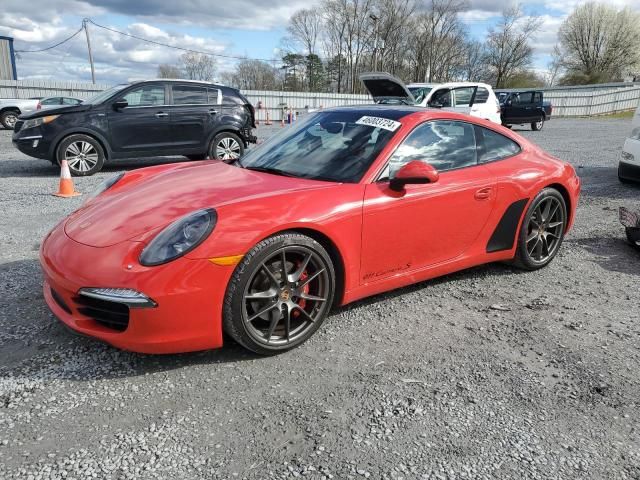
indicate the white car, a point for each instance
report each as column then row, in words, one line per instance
column 629, row 166
column 473, row 98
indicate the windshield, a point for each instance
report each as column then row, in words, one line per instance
column 105, row 94
column 332, row 146
column 420, row 93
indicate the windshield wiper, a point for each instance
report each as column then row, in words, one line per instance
column 274, row 171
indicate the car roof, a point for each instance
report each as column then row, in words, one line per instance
column 179, row 80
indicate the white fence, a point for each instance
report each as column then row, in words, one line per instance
column 567, row 101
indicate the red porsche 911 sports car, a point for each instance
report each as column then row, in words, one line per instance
column 347, row 203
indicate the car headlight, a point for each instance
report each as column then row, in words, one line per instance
column 106, row 185
column 180, row 237
column 36, row 122
column 635, row 133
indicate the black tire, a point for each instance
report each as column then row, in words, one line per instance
column 246, row 304
column 554, row 225
column 8, row 118
column 223, row 140
column 201, row 156
column 72, row 147
column 633, row 236
column 537, row 126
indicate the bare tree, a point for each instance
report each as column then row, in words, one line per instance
column 508, row 44
column 198, row 66
column 252, row 75
column 474, row 67
column 168, row 71
column 600, row 43
column 305, row 26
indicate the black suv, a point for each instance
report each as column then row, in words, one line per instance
column 141, row 119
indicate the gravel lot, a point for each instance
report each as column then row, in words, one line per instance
column 488, row 373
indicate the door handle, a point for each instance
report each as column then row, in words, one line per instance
column 213, row 112
column 161, row 114
column 483, row 193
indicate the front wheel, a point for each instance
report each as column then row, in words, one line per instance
column 9, row 118
column 542, row 230
column 279, row 294
column 83, row 153
column 226, row 146
column 537, row 125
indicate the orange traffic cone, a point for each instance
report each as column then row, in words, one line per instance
column 66, row 184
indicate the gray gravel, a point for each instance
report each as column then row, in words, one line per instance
column 488, row 373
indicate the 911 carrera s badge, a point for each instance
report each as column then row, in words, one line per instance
column 379, row 122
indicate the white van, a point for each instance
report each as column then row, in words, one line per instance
column 629, row 165
column 472, row 98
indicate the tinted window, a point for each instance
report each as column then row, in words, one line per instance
column 51, row 101
column 537, row 98
column 70, row 101
column 494, row 145
column 443, row 144
column 442, row 97
column 214, row 96
column 231, row 97
column 482, row 95
column 188, row 95
column 463, row 96
column 146, row 95
column 335, row 146
column 523, row 98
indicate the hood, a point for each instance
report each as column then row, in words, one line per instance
column 56, row 111
column 384, row 88
column 135, row 206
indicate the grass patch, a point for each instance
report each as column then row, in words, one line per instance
column 622, row 115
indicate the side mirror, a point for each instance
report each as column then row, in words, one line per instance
column 414, row 172
column 508, row 103
column 120, row 104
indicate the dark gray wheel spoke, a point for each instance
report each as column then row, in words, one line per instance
column 283, row 261
column 262, row 312
column 267, row 294
column 295, row 276
column 315, row 298
column 272, row 277
column 547, row 209
column 275, row 319
column 305, row 314
column 554, row 224
column 311, row 278
column 532, row 236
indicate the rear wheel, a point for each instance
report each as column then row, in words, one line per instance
column 227, row 147
column 9, row 118
column 542, row 230
column 279, row 294
column 537, row 125
column 83, row 153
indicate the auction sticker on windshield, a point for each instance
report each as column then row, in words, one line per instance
column 379, row 122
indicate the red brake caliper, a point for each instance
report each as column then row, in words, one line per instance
column 302, row 302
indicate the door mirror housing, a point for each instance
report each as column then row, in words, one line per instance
column 120, row 104
column 414, row 172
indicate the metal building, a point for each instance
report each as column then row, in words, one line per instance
column 7, row 59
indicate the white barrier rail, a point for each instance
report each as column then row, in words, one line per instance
column 567, row 101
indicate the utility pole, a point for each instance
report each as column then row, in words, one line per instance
column 85, row 25
column 375, row 41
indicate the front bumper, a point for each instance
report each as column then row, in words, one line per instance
column 629, row 166
column 189, row 295
column 32, row 142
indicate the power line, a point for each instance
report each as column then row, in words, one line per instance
column 203, row 52
column 52, row 46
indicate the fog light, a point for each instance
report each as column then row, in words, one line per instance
column 35, row 143
column 127, row 296
column 627, row 156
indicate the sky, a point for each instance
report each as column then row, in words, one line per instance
column 251, row 28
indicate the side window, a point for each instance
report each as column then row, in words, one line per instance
column 146, row 95
column 215, row 96
column 189, row 95
column 524, row 98
column 51, row 101
column 70, row 101
column 482, row 95
column 232, row 98
column 463, row 96
column 537, row 98
column 442, row 97
column 445, row 145
column 494, row 145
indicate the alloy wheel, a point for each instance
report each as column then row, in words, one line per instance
column 545, row 230
column 285, row 296
column 81, row 155
column 539, row 125
column 10, row 120
column 228, row 149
